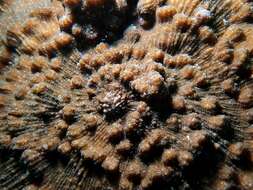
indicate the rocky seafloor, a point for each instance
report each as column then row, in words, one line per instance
column 126, row 94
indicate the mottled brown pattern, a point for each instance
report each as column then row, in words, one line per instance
column 126, row 95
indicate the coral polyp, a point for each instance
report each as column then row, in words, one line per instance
column 126, row 95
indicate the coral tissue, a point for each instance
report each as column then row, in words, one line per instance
column 126, row 95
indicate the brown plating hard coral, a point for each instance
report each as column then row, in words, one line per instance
column 121, row 94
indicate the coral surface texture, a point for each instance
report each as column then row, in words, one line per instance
column 126, row 94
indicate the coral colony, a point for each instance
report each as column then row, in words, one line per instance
column 126, row 95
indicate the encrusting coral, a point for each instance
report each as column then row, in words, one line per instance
column 121, row 94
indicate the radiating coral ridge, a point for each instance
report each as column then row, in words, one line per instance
column 126, row 95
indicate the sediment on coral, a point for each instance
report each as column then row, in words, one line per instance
column 126, row 95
